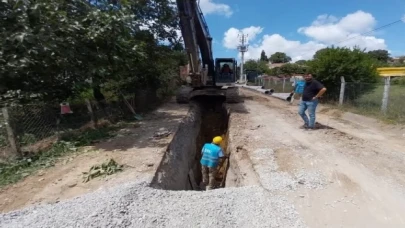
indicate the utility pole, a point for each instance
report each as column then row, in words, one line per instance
column 242, row 48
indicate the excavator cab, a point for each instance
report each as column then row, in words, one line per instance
column 225, row 71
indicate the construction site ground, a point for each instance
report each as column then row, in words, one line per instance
column 135, row 147
column 348, row 173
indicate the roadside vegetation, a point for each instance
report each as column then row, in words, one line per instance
column 364, row 88
column 54, row 51
column 14, row 170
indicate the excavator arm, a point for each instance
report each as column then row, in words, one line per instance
column 197, row 40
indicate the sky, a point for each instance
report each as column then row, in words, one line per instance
column 300, row 28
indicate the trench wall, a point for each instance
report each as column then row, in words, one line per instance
column 179, row 157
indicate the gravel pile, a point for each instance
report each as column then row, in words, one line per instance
column 311, row 179
column 137, row 205
column 273, row 179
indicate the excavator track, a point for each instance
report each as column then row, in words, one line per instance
column 233, row 96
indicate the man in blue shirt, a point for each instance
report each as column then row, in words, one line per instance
column 211, row 153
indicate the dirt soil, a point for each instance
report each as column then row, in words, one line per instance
column 348, row 173
column 135, row 147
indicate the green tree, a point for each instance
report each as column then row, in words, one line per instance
column 301, row 62
column 251, row 65
column 275, row 71
column 263, row 57
column 329, row 64
column 380, row 55
column 257, row 65
column 50, row 48
column 279, row 57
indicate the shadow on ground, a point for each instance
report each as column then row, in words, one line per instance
column 322, row 126
column 154, row 131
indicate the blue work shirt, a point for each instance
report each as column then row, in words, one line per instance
column 299, row 86
column 210, row 155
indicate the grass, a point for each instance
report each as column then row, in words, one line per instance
column 370, row 104
column 14, row 171
column 107, row 168
column 90, row 136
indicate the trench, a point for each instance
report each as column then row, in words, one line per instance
column 180, row 167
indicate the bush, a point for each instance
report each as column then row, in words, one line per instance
column 354, row 65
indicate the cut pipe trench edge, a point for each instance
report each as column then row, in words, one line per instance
column 180, row 167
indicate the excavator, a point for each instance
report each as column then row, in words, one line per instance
column 206, row 76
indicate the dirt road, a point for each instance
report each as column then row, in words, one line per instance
column 351, row 173
column 134, row 146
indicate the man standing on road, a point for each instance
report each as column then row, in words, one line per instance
column 211, row 153
column 312, row 91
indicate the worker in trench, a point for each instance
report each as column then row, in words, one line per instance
column 211, row 155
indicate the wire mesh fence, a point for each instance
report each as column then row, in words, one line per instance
column 368, row 98
column 34, row 125
column 361, row 97
column 279, row 85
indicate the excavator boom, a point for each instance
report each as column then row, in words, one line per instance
column 197, row 39
column 207, row 76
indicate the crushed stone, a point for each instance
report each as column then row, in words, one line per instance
column 273, row 179
column 137, row 205
column 311, row 179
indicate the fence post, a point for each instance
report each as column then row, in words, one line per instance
column 283, row 83
column 342, row 90
column 387, row 84
column 12, row 139
column 92, row 115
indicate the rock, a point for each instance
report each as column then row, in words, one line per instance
column 162, row 133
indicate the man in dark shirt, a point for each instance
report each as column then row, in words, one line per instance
column 312, row 91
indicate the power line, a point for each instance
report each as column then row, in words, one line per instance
column 376, row 29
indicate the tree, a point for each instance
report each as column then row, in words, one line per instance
column 257, row 65
column 380, row 55
column 290, row 69
column 51, row 47
column 329, row 64
column 263, row 57
column 301, row 62
column 280, row 57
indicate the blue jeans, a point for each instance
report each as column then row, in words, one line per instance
column 311, row 106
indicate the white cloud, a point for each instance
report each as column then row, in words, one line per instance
column 325, row 30
column 210, row 7
column 344, row 30
column 231, row 37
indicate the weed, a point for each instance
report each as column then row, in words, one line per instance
column 90, row 136
column 107, row 168
column 370, row 103
column 13, row 171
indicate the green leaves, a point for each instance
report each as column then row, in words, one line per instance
column 279, row 57
column 48, row 47
column 355, row 65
